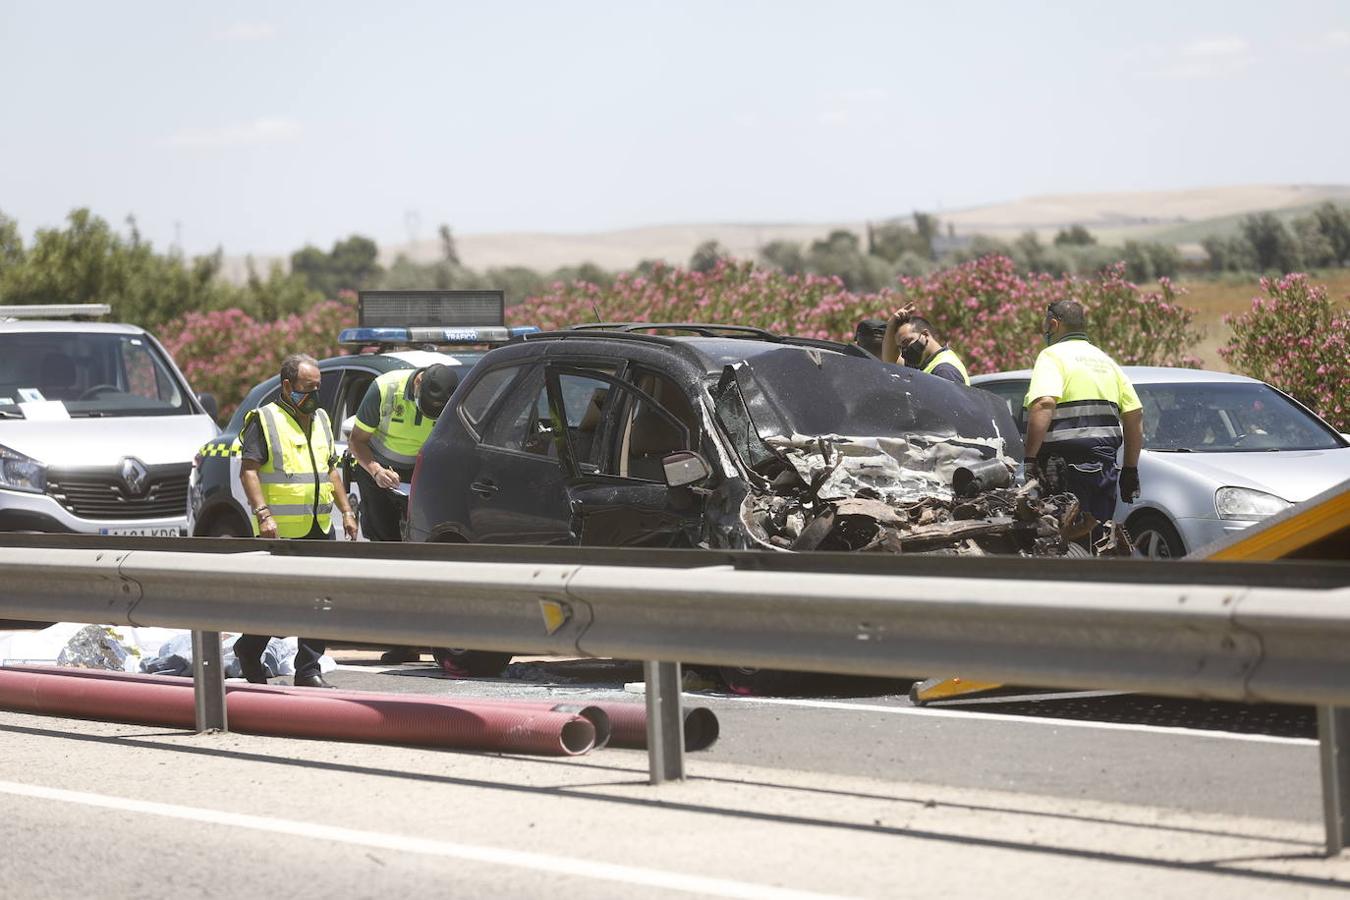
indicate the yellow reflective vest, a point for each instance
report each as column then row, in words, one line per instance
column 295, row 482
column 947, row 356
column 1090, row 393
column 403, row 429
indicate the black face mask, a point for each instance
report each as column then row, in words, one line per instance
column 305, row 402
column 912, row 353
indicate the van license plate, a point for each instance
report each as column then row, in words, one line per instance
column 144, row 532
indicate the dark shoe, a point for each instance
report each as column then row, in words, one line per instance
column 311, row 681
column 396, row 655
column 253, row 670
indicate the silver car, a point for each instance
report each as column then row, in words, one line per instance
column 1221, row 451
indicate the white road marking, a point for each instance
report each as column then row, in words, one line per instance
column 1004, row 717
column 554, row 865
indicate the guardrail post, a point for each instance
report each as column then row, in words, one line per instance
column 208, row 681
column 1333, row 735
column 665, row 721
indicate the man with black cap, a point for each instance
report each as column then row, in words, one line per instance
column 394, row 420
column 869, row 335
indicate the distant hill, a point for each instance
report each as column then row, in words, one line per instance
column 1182, row 217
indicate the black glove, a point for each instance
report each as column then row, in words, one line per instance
column 1129, row 484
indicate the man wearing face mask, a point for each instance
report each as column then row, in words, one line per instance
column 913, row 339
column 1082, row 410
column 288, row 470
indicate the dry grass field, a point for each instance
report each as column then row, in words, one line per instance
column 1213, row 298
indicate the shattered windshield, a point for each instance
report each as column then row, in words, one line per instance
column 789, row 391
column 65, row 374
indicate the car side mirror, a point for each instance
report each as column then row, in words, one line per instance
column 345, row 429
column 209, row 404
column 685, row 468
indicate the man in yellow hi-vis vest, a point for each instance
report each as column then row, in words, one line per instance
column 913, row 339
column 394, row 419
column 1081, row 411
column 288, row 470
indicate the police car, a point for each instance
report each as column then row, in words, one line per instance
column 435, row 327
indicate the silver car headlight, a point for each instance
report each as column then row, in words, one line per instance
column 21, row 473
column 1245, row 503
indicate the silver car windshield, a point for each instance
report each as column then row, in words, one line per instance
column 83, row 374
column 1216, row 417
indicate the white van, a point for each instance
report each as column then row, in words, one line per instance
column 97, row 426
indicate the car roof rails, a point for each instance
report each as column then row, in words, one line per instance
column 81, row 311
column 709, row 329
column 702, row 329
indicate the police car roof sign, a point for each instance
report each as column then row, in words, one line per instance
column 422, row 308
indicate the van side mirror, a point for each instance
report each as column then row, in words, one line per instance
column 685, row 468
column 209, row 404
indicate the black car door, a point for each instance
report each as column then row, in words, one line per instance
column 614, row 437
column 516, row 491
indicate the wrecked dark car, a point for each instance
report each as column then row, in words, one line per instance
column 751, row 441
column 626, row 438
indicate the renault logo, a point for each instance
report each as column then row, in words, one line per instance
column 134, row 474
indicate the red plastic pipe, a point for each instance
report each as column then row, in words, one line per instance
column 592, row 713
column 376, row 718
column 628, row 726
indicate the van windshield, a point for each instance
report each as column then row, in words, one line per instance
column 61, row 374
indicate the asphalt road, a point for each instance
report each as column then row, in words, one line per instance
column 856, row 793
column 1187, row 755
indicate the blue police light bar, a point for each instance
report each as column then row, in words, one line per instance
column 486, row 334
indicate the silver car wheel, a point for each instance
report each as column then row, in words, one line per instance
column 1155, row 537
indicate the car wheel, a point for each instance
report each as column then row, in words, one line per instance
column 228, row 526
column 762, row 682
column 1155, row 537
column 471, row 663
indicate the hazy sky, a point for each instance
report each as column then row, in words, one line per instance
column 262, row 126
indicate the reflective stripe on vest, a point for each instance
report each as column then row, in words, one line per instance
column 403, row 429
column 946, row 356
column 295, row 482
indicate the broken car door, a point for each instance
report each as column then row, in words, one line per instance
column 616, row 439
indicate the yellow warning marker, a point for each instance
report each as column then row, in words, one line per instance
column 1321, row 522
column 922, row 692
column 556, row 613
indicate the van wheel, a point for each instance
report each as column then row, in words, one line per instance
column 471, row 663
column 752, row 682
column 1155, row 537
column 227, row 526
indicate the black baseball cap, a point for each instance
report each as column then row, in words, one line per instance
column 438, row 383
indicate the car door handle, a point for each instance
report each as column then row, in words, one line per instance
column 485, row 488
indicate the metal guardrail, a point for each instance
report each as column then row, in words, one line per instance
column 1225, row 632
